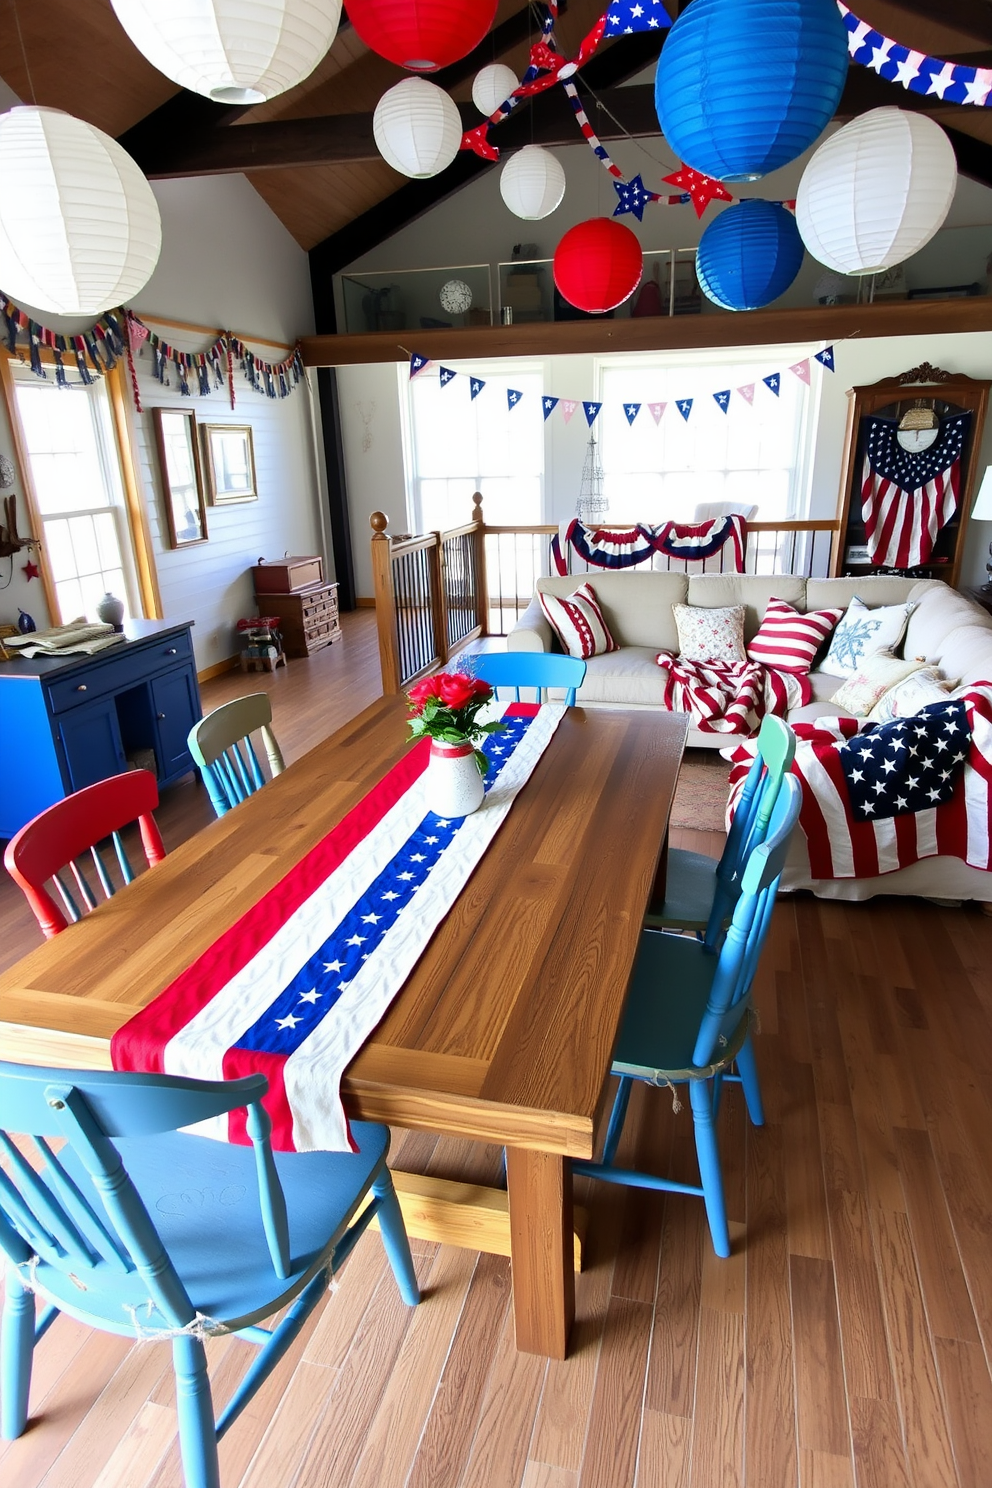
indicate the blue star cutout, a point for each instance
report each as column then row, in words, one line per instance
column 632, row 196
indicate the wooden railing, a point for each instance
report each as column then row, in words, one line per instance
column 436, row 592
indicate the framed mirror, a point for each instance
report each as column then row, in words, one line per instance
column 230, row 457
column 182, row 484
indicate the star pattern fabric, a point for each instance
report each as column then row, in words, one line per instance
column 633, row 196
column 906, row 766
column 919, row 73
column 319, row 984
column 700, row 189
column 627, row 16
column 911, row 469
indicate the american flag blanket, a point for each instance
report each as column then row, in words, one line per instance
column 296, row 986
column 632, row 547
column 846, row 766
column 908, row 496
column 729, row 698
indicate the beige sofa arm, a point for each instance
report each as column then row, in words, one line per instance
column 531, row 632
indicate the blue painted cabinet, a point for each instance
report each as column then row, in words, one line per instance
column 66, row 722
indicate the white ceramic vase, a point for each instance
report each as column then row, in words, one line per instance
column 454, row 785
column 110, row 610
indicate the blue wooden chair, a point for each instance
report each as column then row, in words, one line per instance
column 688, row 1018
column 152, row 1233
column 700, row 891
column 538, row 669
column 221, row 745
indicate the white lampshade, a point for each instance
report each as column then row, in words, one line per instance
column 417, row 128
column 532, row 182
column 493, row 86
column 80, row 230
column 876, row 191
column 233, row 51
column 982, row 510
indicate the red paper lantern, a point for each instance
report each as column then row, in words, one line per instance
column 598, row 265
column 422, row 35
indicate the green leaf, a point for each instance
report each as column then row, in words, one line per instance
column 482, row 761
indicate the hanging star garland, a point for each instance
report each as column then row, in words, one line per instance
column 633, row 196
column 701, row 189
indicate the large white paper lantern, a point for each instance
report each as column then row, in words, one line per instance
column 876, row 191
column 417, row 128
column 80, row 230
column 493, row 86
column 532, row 182
column 233, row 51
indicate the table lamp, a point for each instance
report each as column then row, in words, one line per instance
column 982, row 512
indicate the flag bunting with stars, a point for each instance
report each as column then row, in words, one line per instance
column 951, row 82
column 446, row 375
column 591, row 411
column 684, row 406
column 549, row 405
column 631, row 410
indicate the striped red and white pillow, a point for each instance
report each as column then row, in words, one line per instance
column 788, row 640
column 578, row 622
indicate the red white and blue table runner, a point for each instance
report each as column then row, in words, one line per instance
column 295, row 987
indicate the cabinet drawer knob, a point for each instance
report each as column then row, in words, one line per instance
column 171, row 651
column 159, row 715
column 81, row 687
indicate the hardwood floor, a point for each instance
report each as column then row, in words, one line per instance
column 845, row 1344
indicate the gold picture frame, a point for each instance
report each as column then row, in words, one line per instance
column 230, row 462
column 182, row 479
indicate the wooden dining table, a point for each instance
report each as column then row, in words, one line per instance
column 504, row 1031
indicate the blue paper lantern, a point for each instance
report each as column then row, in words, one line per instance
column 749, row 255
column 744, row 86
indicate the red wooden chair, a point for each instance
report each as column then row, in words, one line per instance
column 52, row 842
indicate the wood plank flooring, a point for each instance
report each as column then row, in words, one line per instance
column 845, row 1344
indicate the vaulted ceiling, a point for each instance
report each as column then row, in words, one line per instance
column 309, row 153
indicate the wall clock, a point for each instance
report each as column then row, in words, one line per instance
column 907, row 482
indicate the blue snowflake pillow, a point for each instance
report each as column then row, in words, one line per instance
column 862, row 633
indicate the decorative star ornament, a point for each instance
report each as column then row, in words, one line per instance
column 700, row 189
column 633, row 196
column 30, row 570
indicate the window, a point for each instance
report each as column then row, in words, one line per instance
column 459, row 445
column 753, row 455
column 69, row 438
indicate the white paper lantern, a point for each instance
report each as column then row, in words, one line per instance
column 417, row 128
column 532, row 182
column 80, row 230
column 233, row 51
column 876, row 191
column 493, row 86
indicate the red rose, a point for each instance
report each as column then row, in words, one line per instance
column 456, row 690
column 421, row 692
column 482, row 689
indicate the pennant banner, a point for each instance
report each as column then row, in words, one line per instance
column 446, row 375
column 591, row 411
column 549, row 405
column 951, row 82
column 630, row 547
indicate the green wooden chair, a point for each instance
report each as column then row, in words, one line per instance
column 221, row 745
column 700, row 891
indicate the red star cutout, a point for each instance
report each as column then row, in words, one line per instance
column 30, row 570
column 701, row 189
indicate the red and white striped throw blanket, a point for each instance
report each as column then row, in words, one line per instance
column 729, row 697
column 841, row 846
column 296, row 986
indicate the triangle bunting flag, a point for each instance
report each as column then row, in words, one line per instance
column 826, row 358
column 722, row 399
column 446, row 375
column 801, row 369
column 475, row 386
column 656, row 410
column 684, row 406
column 417, row 364
column 591, row 410
column 512, row 398
column 631, row 410
column 773, row 382
column 747, row 392
column 568, row 407
column 549, row 405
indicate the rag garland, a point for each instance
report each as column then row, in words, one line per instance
column 729, row 697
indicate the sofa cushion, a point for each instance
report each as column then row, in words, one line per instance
column 577, row 621
column 717, row 591
column 871, row 589
column 823, row 685
column 637, row 607
column 707, row 634
column 967, row 653
column 630, row 675
column 864, row 632
column 812, row 712
column 939, row 612
column 789, row 640
column 874, row 676
column 907, row 697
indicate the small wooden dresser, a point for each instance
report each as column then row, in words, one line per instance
column 294, row 589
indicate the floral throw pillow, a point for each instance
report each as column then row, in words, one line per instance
column 578, row 622
column 907, row 697
column 710, row 635
column 873, row 678
column 863, row 633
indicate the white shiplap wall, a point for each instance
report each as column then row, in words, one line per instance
column 210, row 583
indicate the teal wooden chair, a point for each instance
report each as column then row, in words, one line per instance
column 700, row 891
column 687, row 1022
column 151, row 1233
column 221, row 745
column 537, row 669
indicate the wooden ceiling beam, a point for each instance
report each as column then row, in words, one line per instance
column 970, row 17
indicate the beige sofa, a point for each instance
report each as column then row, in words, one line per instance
column 945, row 628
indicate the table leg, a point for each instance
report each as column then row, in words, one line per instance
column 539, row 1185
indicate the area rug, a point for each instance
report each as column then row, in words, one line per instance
column 701, row 795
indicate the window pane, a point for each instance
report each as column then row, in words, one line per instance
column 63, row 448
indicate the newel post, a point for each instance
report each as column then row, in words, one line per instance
column 385, row 602
column 481, row 576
